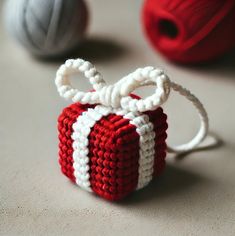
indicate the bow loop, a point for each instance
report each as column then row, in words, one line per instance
column 116, row 95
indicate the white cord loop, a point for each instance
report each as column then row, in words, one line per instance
column 117, row 95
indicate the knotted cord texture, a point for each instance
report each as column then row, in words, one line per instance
column 114, row 150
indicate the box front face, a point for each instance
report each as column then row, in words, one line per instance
column 114, row 155
column 114, row 150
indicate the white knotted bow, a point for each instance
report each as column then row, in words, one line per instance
column 117, row 95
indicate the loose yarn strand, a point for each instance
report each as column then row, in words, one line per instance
column 117, row 95
column 204, row 121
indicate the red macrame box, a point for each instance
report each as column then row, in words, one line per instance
column 113, row 150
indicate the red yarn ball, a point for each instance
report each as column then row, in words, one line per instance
column 191, row 31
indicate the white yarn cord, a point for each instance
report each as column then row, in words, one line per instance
column 117, row 95
column 204, row 122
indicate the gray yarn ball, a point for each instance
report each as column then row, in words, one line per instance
column 47, row 28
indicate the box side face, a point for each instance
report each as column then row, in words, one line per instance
column 159, row 120
column 65, row 129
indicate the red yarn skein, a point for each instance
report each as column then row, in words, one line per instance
column 192, row 31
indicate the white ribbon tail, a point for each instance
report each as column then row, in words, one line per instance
column 201, row 140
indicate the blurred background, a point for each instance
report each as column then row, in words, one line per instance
column 194, row 196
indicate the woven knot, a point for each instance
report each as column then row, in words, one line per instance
column 110, row 95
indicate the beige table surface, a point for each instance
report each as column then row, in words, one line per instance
column 195, row 195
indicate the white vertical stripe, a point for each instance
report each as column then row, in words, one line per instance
column 82, row 128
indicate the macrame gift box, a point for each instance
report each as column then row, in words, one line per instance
column 114, row 150
column 112, row 142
